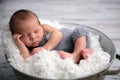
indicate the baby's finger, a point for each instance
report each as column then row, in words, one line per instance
column 15, row 36
column 33, row 52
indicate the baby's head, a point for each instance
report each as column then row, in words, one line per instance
column 26, row 23
column 19, row 18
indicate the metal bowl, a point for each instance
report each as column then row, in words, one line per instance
column 106, row 44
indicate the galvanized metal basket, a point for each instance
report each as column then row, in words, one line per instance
column 107, row 46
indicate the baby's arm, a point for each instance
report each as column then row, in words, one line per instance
column 21, row 46
column 55, row 36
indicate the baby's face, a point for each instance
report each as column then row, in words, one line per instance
column 32, row 33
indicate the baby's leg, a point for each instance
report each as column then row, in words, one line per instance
column 81, row 32
column 79, row 45
column 81, row 42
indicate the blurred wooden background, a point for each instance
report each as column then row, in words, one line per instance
column 103, row 15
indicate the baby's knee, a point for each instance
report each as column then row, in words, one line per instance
column 79, row 32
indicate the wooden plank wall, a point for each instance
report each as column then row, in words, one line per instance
column 103, row 15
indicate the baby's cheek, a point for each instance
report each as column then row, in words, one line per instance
column 27, row 42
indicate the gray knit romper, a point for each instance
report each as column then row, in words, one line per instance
column 69, row 38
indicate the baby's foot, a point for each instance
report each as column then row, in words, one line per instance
column 64, row 55
column 85, row 53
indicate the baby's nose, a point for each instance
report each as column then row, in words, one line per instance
column 32, row 36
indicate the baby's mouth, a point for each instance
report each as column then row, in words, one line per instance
column 35, row 43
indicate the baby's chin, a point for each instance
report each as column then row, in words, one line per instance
column 35, row 45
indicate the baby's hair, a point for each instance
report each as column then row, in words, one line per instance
column 18, row 16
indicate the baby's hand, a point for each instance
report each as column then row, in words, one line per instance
column 18, row 42
column 36, row 50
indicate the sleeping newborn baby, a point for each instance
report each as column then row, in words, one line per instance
column 30, row 37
